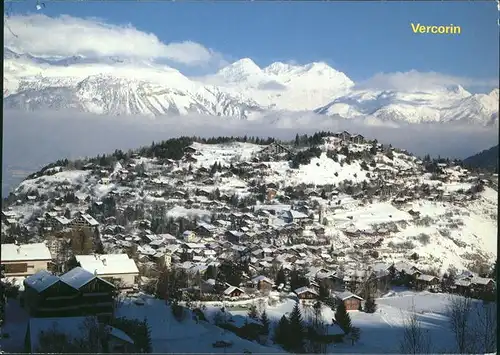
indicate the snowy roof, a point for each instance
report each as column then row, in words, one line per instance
column 35, row 251
column 346, row 295
column 231, row 289
column 424, row 277
column 481, row 280
column 296, row 214
column 63, row 220
column 262, row 278
column 304, row 290
column 41, row 280
column 108, row 264
column 207, row 226
column 77, row 277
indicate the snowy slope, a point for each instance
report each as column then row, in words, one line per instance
column 448, row 232
column 445, row 105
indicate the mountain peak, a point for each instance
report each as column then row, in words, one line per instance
column 277, row 68
column 319, row 66
column 240, row 70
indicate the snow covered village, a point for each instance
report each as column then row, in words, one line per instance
column 329, row 243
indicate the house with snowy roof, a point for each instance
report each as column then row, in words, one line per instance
column 233, row 291
column 306, row 293
column 75, row 293
column 84, row 220
column 351, row 301
column 424, row 282
column 262, row 283
column 205, row 229
column 25, row 259
column 116, row 268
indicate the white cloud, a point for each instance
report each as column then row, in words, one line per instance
column 40, row 35
column 414, row 81
column 34, row 139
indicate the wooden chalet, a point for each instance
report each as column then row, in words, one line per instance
column 306, row 293
column 262, row 283
column 351, row 301
column 275, row 149
column 233, row 291
column 426, row 282
column 76, row 293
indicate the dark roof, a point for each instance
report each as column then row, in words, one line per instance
column 77, row 277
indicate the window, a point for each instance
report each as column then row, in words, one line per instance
column 16, row 268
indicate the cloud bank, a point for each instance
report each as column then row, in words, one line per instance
column 32, row 140
column 414, row 80
column 66, row 36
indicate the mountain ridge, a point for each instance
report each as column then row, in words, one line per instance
column 238, row 90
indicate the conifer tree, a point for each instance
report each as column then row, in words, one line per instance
column 342, row 317
column 265, row 323
column 370, row 305
column 296, row 330
column 281, row 331
column 252, row 312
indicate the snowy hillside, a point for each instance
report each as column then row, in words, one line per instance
column 119, row 86
column 366, row 196
column 449, row 104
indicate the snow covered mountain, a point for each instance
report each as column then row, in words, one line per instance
column 284, row 86
column 444, row 105
column 119, row 86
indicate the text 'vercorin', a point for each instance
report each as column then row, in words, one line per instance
column 441, row 30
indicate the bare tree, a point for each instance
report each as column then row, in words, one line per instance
column 460, row 314
column 485, row 327
column 91, row 339
column 416, row 339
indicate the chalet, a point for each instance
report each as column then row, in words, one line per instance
column 292, row 216
column 190, row 150
column 343, row 135
column 75, row 293
column 357, row 138
column 84, row 220
column 205, row 229
column 306, row 293
column 25, row 259
column 190, row 159
column 233, row 291
column 425, row 282
column 262, row 283
column 472, row 283
column 275, row 149
column 351, row 301
column 115, row 268
column 234, row 236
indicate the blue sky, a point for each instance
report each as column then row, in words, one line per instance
column 358, row 38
